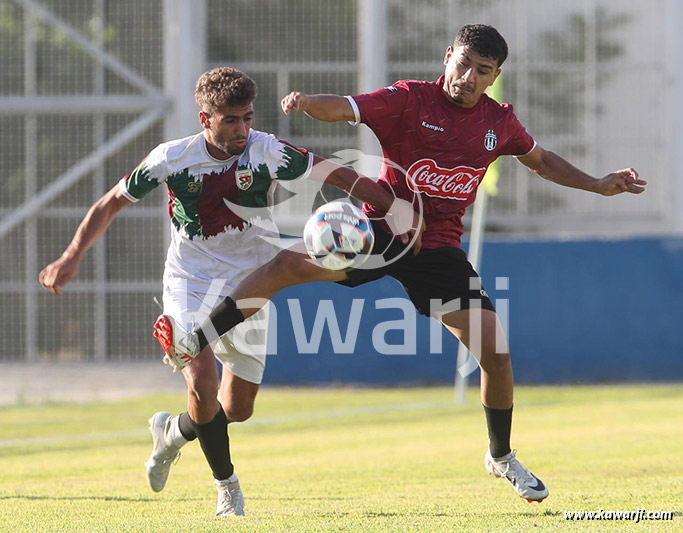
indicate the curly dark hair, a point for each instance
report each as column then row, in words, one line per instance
column 224, row 86
column 483, row 40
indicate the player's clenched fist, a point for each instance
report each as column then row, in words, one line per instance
column 294, row 101
column 58, row 273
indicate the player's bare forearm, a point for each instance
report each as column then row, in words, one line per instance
column 96, row 222
column 361, row 188
column 552, row 167
column 556, row 169
column 55, row 275
column 325, row 107
column 401, row 216
column 349, row 181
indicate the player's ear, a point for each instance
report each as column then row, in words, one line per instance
column 447, row 57
column 204, row 119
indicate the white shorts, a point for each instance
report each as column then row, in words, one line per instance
column 243, row 350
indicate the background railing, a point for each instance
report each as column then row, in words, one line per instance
column 88, row 87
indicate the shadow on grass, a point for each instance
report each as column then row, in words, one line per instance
column 299, row 498
column 84, row 498
column 406, row 514
column 532, row 514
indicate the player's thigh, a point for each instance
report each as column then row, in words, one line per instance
column 478, row 329
column 294, row 265
column 440, row 280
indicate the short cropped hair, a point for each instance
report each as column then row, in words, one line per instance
column 483, row 40
column 224, row 86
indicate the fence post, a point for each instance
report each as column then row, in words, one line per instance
column 372, row 67
column 677, row 142
column 185, row 25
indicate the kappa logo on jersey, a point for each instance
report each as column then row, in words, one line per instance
column 490, row 140
column 426, row 176
column 244, row 178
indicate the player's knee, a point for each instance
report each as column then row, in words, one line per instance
column 239, row 413
column 493, row 362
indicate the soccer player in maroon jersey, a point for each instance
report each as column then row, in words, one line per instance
column 440, row 137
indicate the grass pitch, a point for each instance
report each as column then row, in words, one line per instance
column 352, row 460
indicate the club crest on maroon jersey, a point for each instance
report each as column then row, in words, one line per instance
column 244, row 178
column 490, row 140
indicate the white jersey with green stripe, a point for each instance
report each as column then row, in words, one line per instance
column 210, row 238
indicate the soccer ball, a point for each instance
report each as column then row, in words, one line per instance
column 338, row 235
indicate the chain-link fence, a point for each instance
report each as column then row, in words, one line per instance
column 82, row 101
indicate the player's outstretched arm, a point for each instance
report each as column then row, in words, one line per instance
column 401, row 216
column 552, row 167
column 325, row 107
column 58, row 273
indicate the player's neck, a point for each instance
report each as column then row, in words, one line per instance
column 216, row 152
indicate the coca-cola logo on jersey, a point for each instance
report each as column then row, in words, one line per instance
column 426, row 176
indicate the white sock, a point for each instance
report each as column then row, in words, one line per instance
column 173, row 435
column 223, row 482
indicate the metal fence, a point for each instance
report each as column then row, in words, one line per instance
column 88, row 87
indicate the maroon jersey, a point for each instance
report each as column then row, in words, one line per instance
column 437, row 150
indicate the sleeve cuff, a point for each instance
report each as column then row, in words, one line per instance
column 125, row 193
column 532, row 149
column 309, row 167
column 356, row 111
column 306, row 173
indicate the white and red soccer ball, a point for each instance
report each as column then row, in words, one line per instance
column 338, row 235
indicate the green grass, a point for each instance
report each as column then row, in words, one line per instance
column 351, row 460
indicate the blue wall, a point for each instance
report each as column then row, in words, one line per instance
column 580, row 311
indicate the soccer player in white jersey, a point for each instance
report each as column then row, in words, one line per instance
column 213, row 179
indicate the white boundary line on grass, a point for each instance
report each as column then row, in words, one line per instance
column 309, row 416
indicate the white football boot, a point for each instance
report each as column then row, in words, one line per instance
column 181, row 346
column 230, row 498
column 522, row 480
column 164, row 453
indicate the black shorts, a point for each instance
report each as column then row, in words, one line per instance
column 441, row 274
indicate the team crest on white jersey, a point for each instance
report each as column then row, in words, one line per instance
column 244, row 178
column 490, row 140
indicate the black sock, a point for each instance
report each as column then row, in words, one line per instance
column 185, row 426
column 221, row 320
column 499, row 422
column 215, row 444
